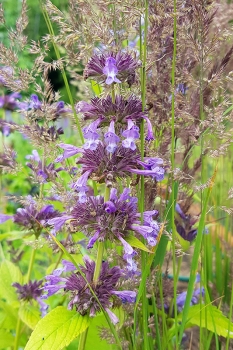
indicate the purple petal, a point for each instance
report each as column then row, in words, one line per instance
column 34, row 156
column 93, row 240
column 4, row 217
column 69, row 151
column 126, row 296
column 58, row 222
column 112, row 316
column 111, row 71
column 109, row 207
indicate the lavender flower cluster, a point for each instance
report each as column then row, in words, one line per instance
column 109, row 155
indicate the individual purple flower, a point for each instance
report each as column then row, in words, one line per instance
column 80, row 295
column 181, row 298
column 131, row 134
column 10, row 102
column 110, row 70
column 152, row 167
column 31, row 291
column 35, row 103
column 81, row 187
column 31, row 218
column 58, row 222
column 43, row 173
column 111, row 139
column 117, row 67
column 69, row 151
column 91, row 135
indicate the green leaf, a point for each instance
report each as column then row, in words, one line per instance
column 57, row 329
column 9, row 273
column 93, row 339
column 7, row 339
column 211, row 318
column 134, row 242
column 30, row 315
column 8, row 318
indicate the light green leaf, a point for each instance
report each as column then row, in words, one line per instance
column 6, row 339
column 57, row 329
column 211, row 318
column 30, row 315
column 134, row 242
column 93, row 339
column 8, row 318
column 9, row 273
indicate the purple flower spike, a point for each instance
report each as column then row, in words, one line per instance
column 131, row 134
column 127, row 296
column 93, row 240
column 91, row 135
column 81, row 186
column 110, row 207
column 111, row 71
column 111, row 139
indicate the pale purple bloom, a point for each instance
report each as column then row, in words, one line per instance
column 150, row 135
column 58, row 222
column 152, row 168
column 35, row 103
column 93, row 239
column 4, row 218
column 5, row 72
column 131, row 134
column 111, row 71
column 90, row 134
column 181, row 298
column 69, row 151
column 81, row 187
column 127, row 296
column 114, row 319
column 111, row 139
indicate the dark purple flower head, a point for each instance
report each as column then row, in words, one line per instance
column 112, row 68
column 10, row 102
column 31, row 218
column 104, row 166
column 113, row 220
column 81, row 297
column 30, row 291
column 42, row 173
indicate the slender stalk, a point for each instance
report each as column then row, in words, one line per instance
column 173, row 168
column 143, row 56
column 82, row 340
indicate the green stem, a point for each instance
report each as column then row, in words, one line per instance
column 32, row 259
column 173, row 168
column 82, row 340
column 17, row 334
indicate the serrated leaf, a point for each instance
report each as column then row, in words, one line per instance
column 6, row 339
column 30, row 315
column 134, row 242
column 211, row 318
column 9, row 273
column 57, row 329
